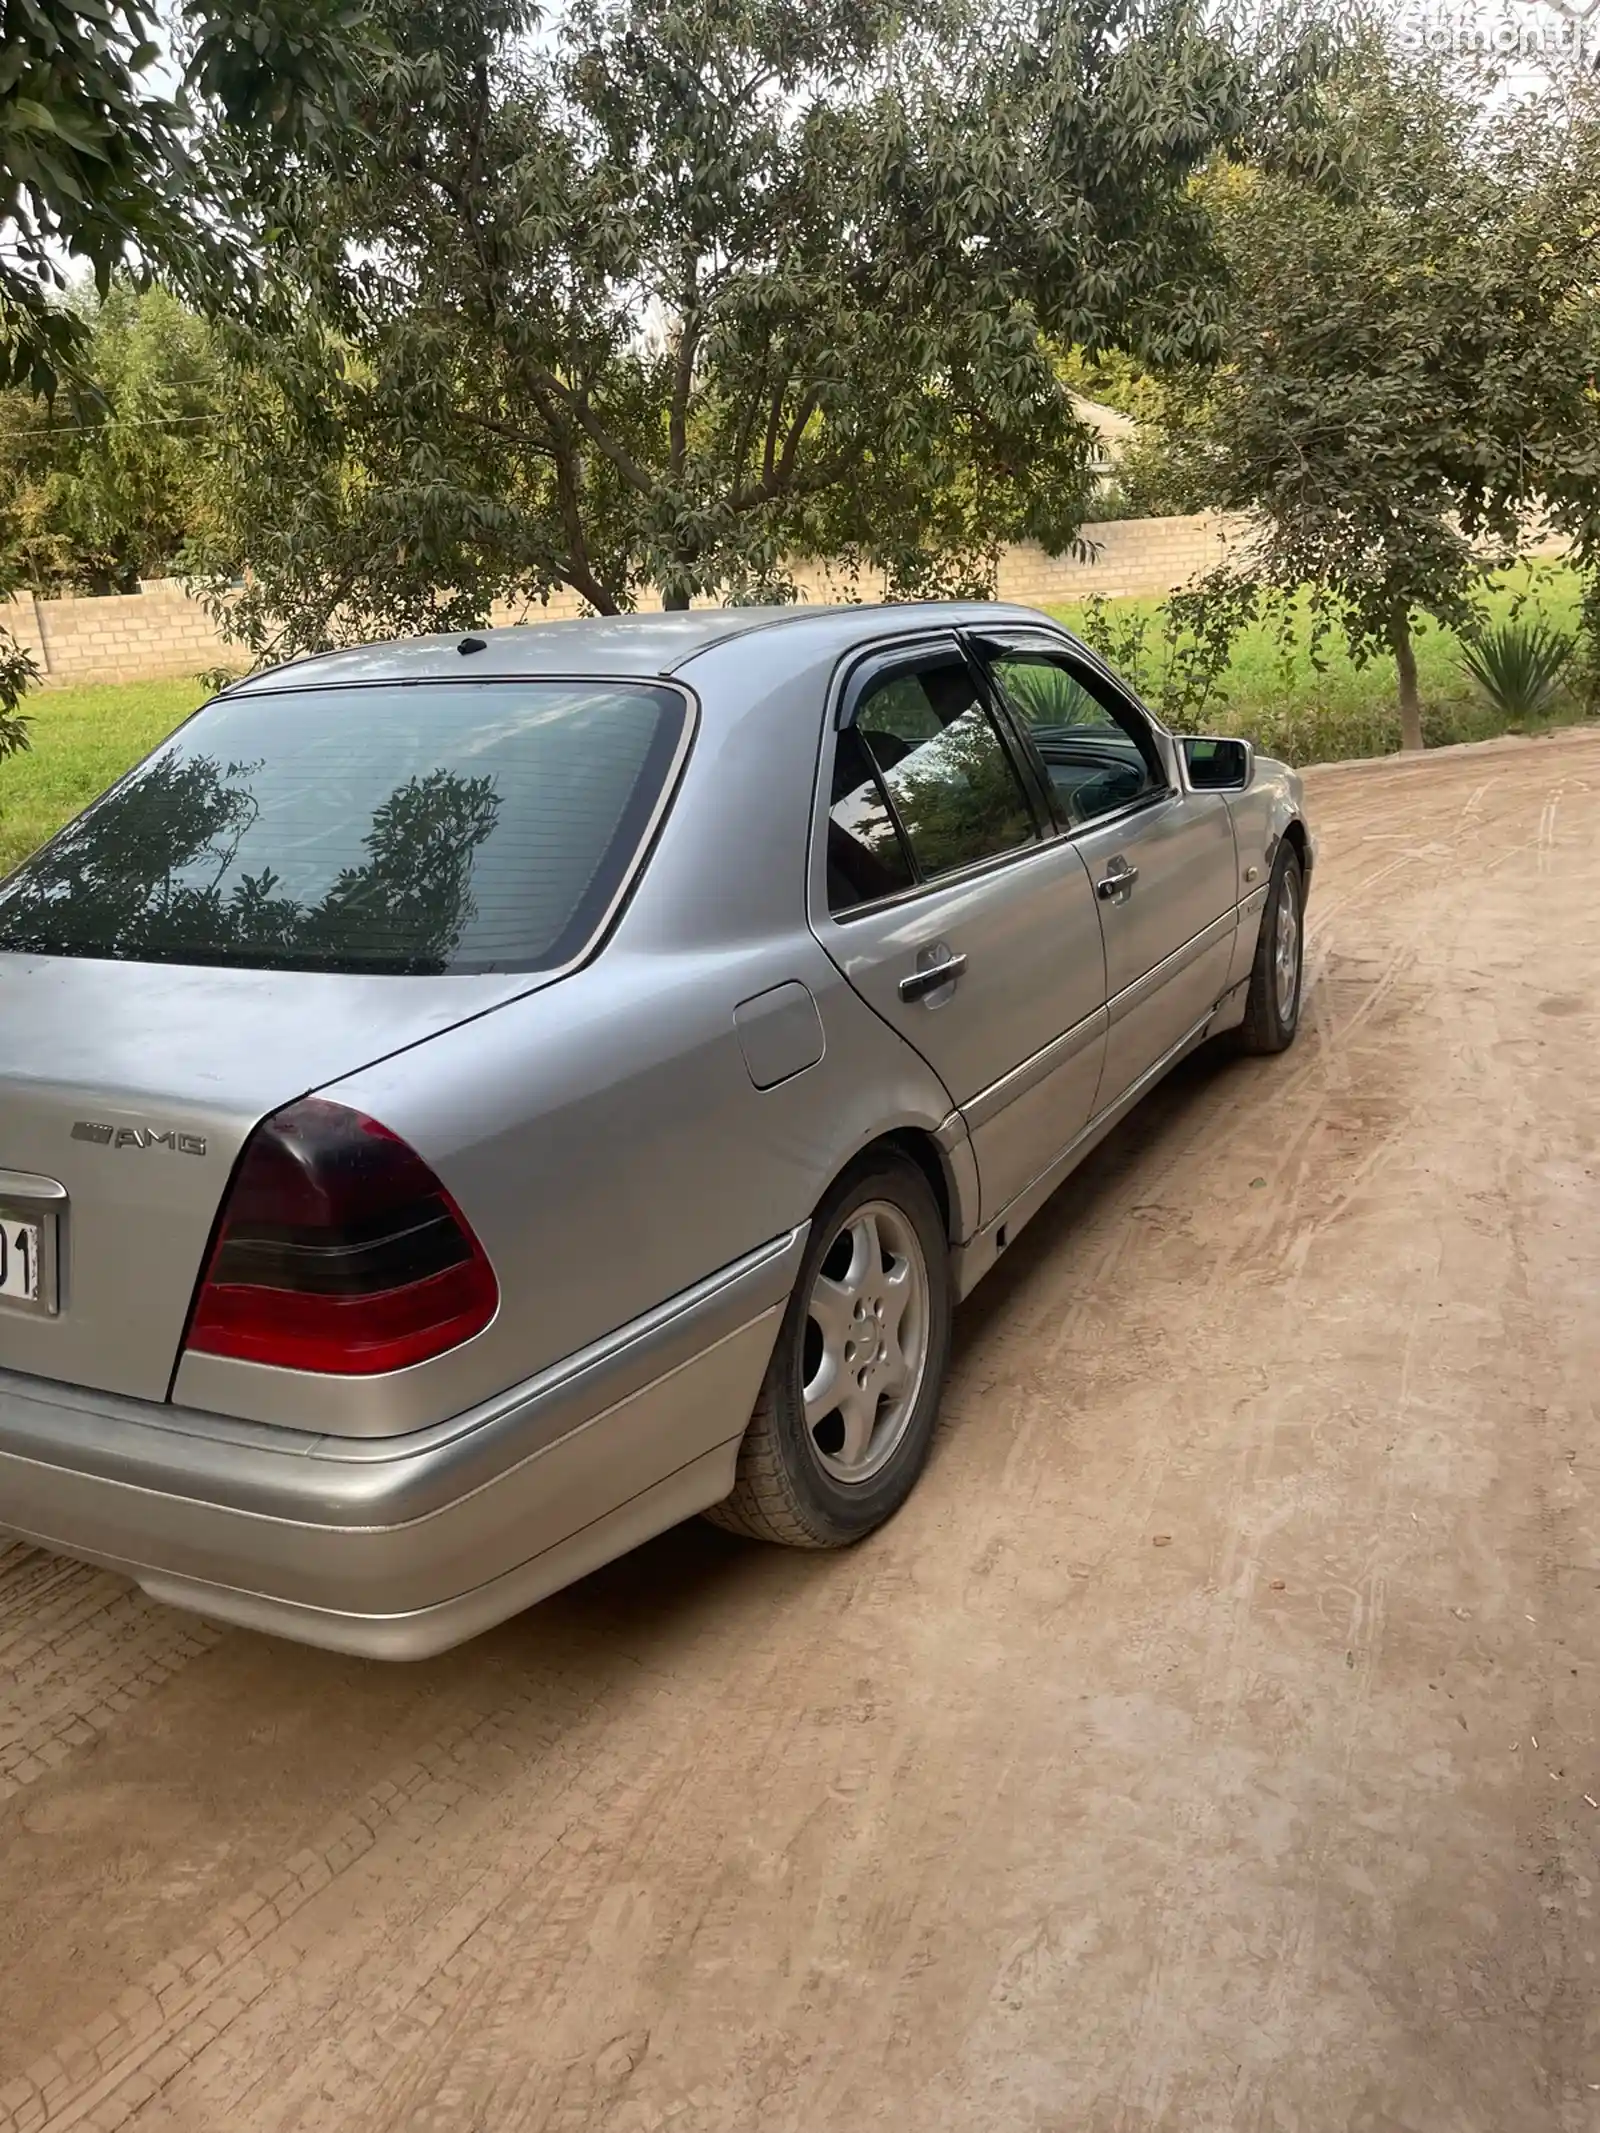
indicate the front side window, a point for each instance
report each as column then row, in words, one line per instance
column 417, row 828
column 1098, row 759
column 949, row 780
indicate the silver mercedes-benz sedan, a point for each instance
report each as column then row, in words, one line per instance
column 467, row 1104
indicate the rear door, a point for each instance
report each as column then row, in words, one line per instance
column 952, row 908
column 1161, row 858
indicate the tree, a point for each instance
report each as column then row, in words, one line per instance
column 96, row 164
column 96, row 159
column 145, row 878
column 102, row 485
column 1412, row 353
column 665, row 294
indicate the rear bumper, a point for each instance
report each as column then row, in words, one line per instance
column 400, row 1547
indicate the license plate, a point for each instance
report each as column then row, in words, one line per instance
column 21, row 1260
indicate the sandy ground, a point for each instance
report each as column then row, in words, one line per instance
column 1206, row 1747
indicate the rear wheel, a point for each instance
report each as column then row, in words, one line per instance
column 846, row 1414
column 1272, row 1006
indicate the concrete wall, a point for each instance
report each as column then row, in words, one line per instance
column 161, row 630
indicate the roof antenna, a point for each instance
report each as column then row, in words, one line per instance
column 472, row 644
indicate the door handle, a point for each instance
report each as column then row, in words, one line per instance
column 932, row 977
column 1111, row 885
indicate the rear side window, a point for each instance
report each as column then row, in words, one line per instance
column 415, row 829
column 949, row 780
column 867, row 856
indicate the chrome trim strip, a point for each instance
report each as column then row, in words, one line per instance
column 989, row 1102
column 1145, row 803
column 1048, row 839
column 1134, row 995
column 951, row 1132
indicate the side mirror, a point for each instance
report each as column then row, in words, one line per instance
column 1218, row 766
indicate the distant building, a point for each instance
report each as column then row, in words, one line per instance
column 1113, row 431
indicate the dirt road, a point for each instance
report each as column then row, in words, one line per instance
column 1206, row 1748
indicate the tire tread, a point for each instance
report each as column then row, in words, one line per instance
column 763, row 1505
column 1261, row 1034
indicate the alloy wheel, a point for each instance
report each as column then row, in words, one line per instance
column 1286, row 954
column 865, row 1347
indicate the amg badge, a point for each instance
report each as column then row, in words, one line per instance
column 87, row 1129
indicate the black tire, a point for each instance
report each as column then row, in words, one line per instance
column 1268, row 1026
column 784, row 1492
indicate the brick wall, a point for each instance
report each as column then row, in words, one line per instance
column 122, row 637
column 161, row 630
column 1134, row 555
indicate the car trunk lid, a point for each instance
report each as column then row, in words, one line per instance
column 130, row 1089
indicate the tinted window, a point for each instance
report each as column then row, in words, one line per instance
column 867, row 858
column 1096, row 754
column 439, row 826
column 952, row 785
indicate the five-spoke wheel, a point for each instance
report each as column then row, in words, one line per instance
column 865, row 1345
column 843, row 1424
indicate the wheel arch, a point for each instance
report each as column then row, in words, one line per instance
column 925, row 1152
column 951, row 1172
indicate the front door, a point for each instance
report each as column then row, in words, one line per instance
column 970, row 931
column 1161, row 858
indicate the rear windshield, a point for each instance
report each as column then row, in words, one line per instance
column 418, row 828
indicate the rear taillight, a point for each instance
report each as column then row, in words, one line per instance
column 339, row 1251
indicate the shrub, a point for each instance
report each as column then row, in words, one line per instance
column 1519, row 667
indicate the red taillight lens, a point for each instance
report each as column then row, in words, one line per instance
column 339, row 1251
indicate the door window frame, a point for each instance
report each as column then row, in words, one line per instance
column 986, row 646
column 877, row 662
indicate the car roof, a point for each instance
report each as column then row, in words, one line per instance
column 651, row 644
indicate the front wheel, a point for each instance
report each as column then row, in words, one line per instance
column 1272, row 1006
column 842, row 1428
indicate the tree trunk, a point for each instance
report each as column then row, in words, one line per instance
column 1405, row 662
column 675, row 603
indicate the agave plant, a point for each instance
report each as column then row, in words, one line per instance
column 1519, row 667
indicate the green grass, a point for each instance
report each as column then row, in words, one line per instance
column 82, row 740
column 1291, row 711
column 85, row 738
